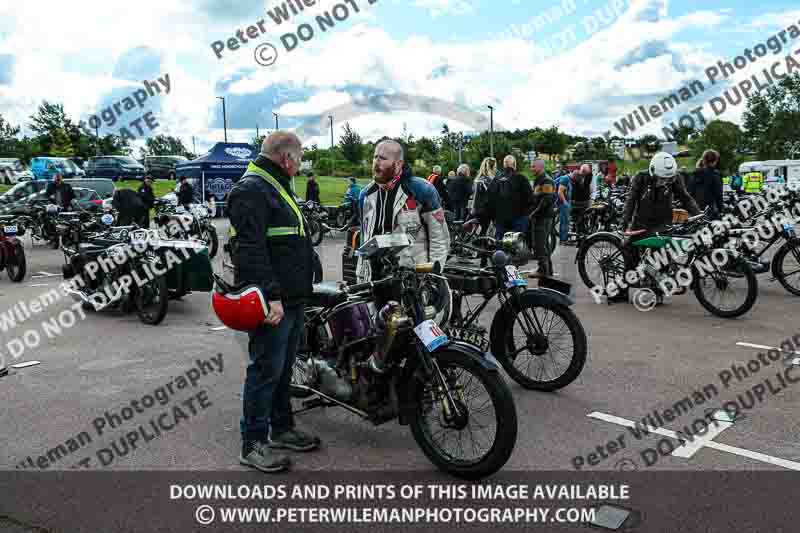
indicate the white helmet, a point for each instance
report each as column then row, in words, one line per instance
column 663, row 165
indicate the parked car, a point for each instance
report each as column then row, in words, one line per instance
column 104, row 187
column 13, row 171
column 86, row 198
column 163, row 166
column 115, row 167
column 44, row 168
column 22, row 190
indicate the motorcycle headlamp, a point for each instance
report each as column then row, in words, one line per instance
column 514, row 243
column 52, row 209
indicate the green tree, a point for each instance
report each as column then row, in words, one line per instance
column 724, row 137
column 61, row 145
column 8, row 137
column 351, row 145
column 649, row 143
column 772, row 119
column 164, row 145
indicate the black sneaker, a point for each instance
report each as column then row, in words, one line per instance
column 294, row 440
column 259, row 456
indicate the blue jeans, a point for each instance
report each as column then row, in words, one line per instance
column 266, row 387
column 519, row 224
column 563, row 217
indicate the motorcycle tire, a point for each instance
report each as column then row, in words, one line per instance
column 315, row 232
column 788, row 250
column 213, row 240
column 16, row 265
column 746, row 271
column 619, row 266
column 152, row 318
column 509, row 353
column 505, row 416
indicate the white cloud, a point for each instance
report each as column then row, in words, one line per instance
column 439, row 8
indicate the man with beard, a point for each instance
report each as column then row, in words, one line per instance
column 60, row 193
column 398, row 202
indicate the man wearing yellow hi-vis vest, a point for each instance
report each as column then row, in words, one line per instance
column 270, row 249
column 753, row 182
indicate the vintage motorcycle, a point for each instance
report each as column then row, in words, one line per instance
column 12, row 252
column 460, row 410
column 535, row 335
column 126, row 254
column 197, row 219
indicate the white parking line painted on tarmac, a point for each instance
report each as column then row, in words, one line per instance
column 45, row 275
column 688, row 450
column 39, row 285
column 762, row 347
column 220, row 328
column 756, row 456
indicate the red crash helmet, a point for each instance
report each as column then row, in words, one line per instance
column 239, row 308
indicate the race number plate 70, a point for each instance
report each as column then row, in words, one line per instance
column 431, row 335
column 514, row 279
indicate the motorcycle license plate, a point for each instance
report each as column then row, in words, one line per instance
column 431, row 335
column 789, row 228
column 514, row 279
column 10, row 230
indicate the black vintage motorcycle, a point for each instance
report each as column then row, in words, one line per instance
column 197, row 219
column 535, row 335
column 117, row 269
column 460, row 410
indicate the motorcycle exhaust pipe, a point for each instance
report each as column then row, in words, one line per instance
column 89, row 300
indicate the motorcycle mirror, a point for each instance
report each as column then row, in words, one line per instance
column 500, row 259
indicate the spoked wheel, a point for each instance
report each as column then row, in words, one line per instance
column 16, row 266
column 209, row 235
column 473, row 436
column 601, row 259
column 315, row 232
column 543, row 346
column 786, row 267
column 727, row 291
column 302, row 374
column 152, row 300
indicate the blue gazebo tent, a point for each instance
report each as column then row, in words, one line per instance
column 217, row 170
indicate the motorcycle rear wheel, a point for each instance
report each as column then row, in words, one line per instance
column 430, row 420
column 786, row 267
column 315, row 232
column 210, row 236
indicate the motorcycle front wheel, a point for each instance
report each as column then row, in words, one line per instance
column 786, row 267
column 151, row 301
column 16, row 265
column 209, row 235
column 727, row 291
column 475, row 439
column 315, row 232
column 542, row 346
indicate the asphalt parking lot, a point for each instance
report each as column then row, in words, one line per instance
column 638, row 363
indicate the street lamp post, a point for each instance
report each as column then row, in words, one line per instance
column 224, row 117
column 491, row 130
column 97, row 137
column 276, row 121
column 332, row 155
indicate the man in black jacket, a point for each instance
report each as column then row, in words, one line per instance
column 59, row 192
column 510, row 198
column 185, row 193
column 128, row 205
column 270, row 248
column 705, row 185
column 148, row 198
column 312, row 190
column 459, row 189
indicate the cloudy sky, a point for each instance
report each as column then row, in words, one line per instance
column 395, row 64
